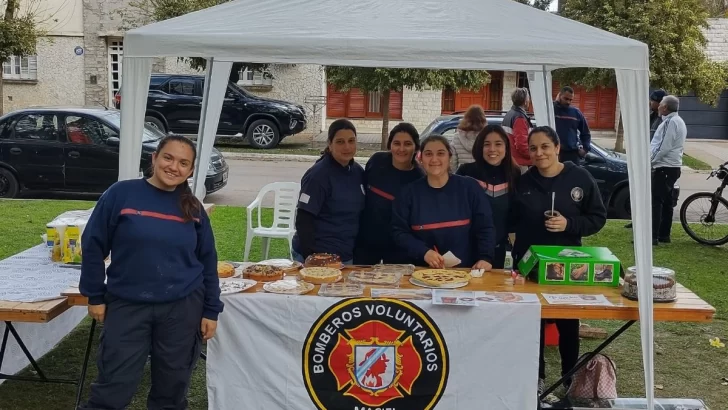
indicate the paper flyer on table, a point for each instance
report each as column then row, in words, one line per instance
column 453, row 297
column 571, row 299
column 506, row 297
column 451, row 260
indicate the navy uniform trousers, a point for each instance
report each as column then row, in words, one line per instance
column 169, row 332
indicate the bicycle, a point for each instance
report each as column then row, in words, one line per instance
column 707, row 219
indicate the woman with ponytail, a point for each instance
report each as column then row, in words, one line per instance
column 331, row 199
column 160, row 295
column 385, row 174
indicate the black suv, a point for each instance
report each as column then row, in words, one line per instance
column 174, row 105
column 74, row 150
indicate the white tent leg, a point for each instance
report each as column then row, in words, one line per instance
column 633, row 86
column 216, row 80
column 540, row 84
column 136, row 72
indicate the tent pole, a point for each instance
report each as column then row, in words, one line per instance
column 203, row 120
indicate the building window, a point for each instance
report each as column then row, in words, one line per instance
column 356, row 104
column 248, row 77
column 448, row 101
column 522, row 81
column 20, row 68
column 116, row 55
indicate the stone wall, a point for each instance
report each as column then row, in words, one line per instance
column 510, row 83
column 717, row 36
column 60, row 77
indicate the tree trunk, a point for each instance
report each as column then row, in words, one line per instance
column 385, row 119
column 619, row 143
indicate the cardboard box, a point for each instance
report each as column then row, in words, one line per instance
column 571, row 265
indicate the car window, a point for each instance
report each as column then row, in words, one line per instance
column 449, row 133
column 229, row 93
column 84, row 130
column 40, row 127
column 181, row 86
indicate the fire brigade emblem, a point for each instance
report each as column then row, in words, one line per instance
column 364, row 354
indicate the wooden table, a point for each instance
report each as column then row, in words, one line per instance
column 688, row 307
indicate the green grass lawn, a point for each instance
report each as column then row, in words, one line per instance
column 686, row 365
column 695, row 163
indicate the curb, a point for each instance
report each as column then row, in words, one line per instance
column 279, row 157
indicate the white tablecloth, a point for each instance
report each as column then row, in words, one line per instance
column 30, row 276
column 256, row 357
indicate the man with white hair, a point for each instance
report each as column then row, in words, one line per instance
column 666, row 157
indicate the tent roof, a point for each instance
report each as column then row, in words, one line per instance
column 474, row 34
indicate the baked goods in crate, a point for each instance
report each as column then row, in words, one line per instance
column 664, row 284
column 403, row 270
column 263, row 273
column 327, row 260
column 341, row 289
column 288, row 287
column 288, row 266
column 225, row 269
column 441, row 277
column 375, row 277
column 319, row 275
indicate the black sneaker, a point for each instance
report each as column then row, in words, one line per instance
column 665, row 240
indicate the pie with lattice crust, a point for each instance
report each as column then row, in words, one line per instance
column 441, row 277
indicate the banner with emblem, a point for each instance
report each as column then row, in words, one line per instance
column 307, row 353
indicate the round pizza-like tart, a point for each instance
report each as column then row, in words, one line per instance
column 288, row 287
column 286, row 265
column 318, row 275
column 440, row 277
column 263, row 273
column 225, row 269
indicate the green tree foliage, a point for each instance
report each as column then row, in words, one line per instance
column 385, row 80
column 671, row 28
column 143, row 12
column 18, row 35
column 539, row 4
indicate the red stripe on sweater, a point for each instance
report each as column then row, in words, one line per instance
column 381, row 193
column 149, row 214
column 440, row 225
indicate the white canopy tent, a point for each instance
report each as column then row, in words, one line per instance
column 459, row 34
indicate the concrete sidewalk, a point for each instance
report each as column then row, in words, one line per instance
column 712, row 152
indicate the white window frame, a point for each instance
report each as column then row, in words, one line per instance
column 20, row 68
column 252, row 78
column 114, row 46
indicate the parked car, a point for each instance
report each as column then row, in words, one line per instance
column 74, row 150
column 609, row 168
column 174, row 104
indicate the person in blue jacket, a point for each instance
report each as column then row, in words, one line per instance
column 497, row 172
column 443, row 213
column 572, row 128
column 385, row 174
column 579, row 211
column 331, row 199
column 160, row 295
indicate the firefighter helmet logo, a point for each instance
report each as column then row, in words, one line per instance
column 375, row 352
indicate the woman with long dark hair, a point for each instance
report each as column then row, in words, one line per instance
column 331, row 199
column 495, row 171
column 385, row 174
column 160, row 295
column 578, row 212
column 443, row 213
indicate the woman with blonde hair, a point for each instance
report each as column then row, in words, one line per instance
column 472, row 123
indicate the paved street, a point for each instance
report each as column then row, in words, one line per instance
column 248, row 177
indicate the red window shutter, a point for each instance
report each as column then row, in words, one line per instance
column 588, row 104
column 357, row 107
column 335, row 103
column 607, row 108
column 395, row 105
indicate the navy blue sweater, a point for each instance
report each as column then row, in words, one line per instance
column 156, row 257
column 383, row 182
column 572, row 128
column 455, row 218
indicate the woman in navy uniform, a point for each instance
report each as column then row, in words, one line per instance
column 498, row 174
column 331, row 199
column 385, row 174
column 443, row 213
column 579, row 212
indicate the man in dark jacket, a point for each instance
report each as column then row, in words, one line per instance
column 655, row 118
column 572, row 128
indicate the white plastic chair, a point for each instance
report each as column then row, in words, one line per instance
column 284, row 216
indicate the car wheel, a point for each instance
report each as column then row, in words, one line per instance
column 263, row 134
column 9, row 186
column 621, row 204
column 156, row 123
